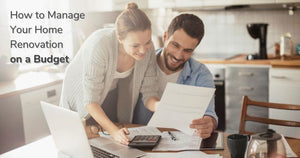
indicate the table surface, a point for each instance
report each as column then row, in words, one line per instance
column 294, row 143
column 46, row 147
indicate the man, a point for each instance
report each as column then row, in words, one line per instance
column 174, row 64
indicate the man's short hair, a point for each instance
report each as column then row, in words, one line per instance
column 190, row 23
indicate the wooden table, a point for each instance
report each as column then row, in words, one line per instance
column 294, row 143
column 45, row 148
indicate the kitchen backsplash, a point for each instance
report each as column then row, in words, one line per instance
column 226, row 32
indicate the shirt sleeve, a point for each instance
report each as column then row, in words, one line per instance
column 205, row 79
column 149, row 85
column 94, row 66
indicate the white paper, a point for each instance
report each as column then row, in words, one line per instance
column 182, row 142
column 184, row 154
column 179, row 105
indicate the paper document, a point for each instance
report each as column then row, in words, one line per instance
column 186, row 154
column 143, row 130
column 182, row 142
column 179, row 105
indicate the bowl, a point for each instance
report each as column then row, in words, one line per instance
column 8, row 71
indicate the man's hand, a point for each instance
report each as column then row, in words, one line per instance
column 204, row 126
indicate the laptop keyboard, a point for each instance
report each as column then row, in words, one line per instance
column 99, row 153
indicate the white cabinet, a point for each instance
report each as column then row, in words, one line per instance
column 153, row 4
column 208, row 3
column 284, row 87
column 287, row 1
column 254, row 2
column 121, row 4
column 11, row 126
column 188, row 3
column 35, row 125
column 118, row 5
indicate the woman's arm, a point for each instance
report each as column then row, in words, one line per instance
column 99, row 115
column 149, row 87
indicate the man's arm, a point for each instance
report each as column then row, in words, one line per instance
column 152, row 104
column 205, row 126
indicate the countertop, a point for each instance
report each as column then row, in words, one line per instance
column 290, row 62
column 29, row 81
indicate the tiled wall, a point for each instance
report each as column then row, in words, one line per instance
column 225, row 31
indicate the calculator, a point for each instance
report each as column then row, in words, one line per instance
column 144, row 141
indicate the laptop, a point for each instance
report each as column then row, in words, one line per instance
column 71, row 140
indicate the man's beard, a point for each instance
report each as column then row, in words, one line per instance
column 168, row 66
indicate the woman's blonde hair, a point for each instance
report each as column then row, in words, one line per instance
column 132, row 19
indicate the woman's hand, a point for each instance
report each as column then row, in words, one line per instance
column 99, row 115
column 120, row 136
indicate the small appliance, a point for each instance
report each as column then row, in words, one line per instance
column 259, row 30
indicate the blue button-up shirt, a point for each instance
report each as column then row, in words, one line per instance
column 194, row 73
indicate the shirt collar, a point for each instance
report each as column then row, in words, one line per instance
column 187, row 70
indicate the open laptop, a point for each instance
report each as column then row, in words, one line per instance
column 70, row 138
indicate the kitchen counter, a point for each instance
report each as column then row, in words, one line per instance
column 29, row 81
column 293, row 62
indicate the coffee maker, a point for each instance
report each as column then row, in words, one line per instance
column 258, row 30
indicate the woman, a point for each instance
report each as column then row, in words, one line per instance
column 121, row 60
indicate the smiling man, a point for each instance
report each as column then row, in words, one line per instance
column 175, row 64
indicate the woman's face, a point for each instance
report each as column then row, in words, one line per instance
column 137, row 43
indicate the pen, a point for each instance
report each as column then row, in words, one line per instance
column 172, row 136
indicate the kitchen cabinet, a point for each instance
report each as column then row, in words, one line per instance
column 254, row 2
column 35, row 125
column 21, row 118
column 188, row 3
column 118, row 5
column 216, row 2
column 284, row 87
column 11, row 126
column 250, row 80
column 287, row 1
column 121, row 4
column 154, row 4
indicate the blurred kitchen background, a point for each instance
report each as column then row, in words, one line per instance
column 23, row 86
column 225, row 21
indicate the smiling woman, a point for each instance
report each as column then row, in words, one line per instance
column 118, row 61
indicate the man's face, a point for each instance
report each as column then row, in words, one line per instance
column 178, row 48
